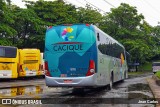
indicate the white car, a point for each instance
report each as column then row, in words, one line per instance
column 155, row 67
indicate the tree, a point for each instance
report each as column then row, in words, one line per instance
column 122, row 22
column 127, row 26
column 88, row 15
column 54, row 13
column 6, row 20
column 28, row 25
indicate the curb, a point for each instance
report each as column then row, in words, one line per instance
column 155, row 90
column 156, row 79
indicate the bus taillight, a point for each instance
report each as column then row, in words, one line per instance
column 46, row 69
column 20, row 68
column 91, row 69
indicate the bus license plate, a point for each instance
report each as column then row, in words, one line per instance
column 4, row 74
column 67, row 81
column 63, row 75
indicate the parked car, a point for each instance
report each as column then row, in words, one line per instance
column 155, row 67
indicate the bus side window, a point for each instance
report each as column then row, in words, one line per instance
column 98, row 37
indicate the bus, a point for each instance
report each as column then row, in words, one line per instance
column 9, row 59
column 82, row 55
column 29, row 63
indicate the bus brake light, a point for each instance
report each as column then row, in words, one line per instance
column 91, row 69
column 47, row 73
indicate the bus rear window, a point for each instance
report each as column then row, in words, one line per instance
column 8, row 52
column 30, row 61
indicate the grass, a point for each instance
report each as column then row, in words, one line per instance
column 138, row 72
column 146, row 67
column 142, row 69
column 158, row 74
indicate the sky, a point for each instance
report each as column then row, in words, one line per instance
column 149, row 8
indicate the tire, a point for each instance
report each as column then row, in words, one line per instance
column 111, row 82
column 78, row 91
column 125, row 75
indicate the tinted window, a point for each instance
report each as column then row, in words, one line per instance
column 8, row 52
column 113, row 50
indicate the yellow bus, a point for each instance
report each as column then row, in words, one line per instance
column 29, row 63
column 42, row 63
column 9, row 59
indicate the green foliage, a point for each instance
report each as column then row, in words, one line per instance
column 54, row 13
column 5, row 42
column 6, row 19
column 158, row 74
column 127, row 26
column 138, row 49
column 146, row 67
column 26, row 27
column 88, row 15
column 122, row 22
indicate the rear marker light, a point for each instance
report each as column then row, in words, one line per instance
column 91, row 69
column 49, row 27
column 87, row 24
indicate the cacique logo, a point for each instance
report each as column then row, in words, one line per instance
column 65, row 33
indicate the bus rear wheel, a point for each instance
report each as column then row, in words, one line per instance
column 111, row 82
column 78, row 90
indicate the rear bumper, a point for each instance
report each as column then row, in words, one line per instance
column 88, row 81
column 6, row 74
column 27, row 74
